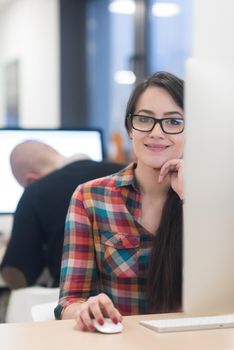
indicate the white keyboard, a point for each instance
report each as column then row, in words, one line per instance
column 190, row 323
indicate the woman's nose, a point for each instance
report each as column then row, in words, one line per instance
column 157, row 130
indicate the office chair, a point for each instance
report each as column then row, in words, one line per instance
column 22, row 300
column 44, row 311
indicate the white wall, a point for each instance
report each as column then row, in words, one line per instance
column 29, row 32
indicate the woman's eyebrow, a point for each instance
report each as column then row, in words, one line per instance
column 147, row 111
column 173, row 112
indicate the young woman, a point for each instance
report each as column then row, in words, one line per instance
column 123, row 237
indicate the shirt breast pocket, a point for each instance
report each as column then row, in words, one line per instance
column 121, row 253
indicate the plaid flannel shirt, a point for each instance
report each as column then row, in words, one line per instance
column 106, row 250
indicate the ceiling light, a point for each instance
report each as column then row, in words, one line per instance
column 124, row 7
column 125, row 77
column 165, row 9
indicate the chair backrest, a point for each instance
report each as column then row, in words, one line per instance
column 22, row 300
column 43, row 312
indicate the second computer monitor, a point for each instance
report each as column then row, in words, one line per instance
column 67, row 141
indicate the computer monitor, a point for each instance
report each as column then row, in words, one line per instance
column 66, row 141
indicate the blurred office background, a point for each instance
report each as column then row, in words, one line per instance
column 73, row 63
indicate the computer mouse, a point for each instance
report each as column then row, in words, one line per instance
column 108, row 327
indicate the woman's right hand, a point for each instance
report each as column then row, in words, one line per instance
column 98, row 307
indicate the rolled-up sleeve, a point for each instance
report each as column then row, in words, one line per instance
column 78, row 278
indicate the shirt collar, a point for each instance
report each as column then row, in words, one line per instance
column 127, row 177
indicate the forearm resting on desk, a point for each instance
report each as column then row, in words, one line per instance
column 71, row 310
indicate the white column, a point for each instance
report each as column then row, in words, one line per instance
column 209, row 156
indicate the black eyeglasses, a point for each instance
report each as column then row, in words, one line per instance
column 145, row 123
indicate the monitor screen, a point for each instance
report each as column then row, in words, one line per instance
column 67, row 141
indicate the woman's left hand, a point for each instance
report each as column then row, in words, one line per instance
column 174, row 168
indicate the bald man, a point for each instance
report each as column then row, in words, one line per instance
column 30, row 160
column 49, row 179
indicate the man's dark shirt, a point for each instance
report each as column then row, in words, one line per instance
column 38, row 230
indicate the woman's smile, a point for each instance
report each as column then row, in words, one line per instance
column 156, row 147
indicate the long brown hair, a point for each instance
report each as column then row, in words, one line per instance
column 165, row 266
column 164, row 287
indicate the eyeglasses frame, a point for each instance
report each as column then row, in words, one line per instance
column 156, row 121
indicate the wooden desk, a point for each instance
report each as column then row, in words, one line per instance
column 62, row 335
